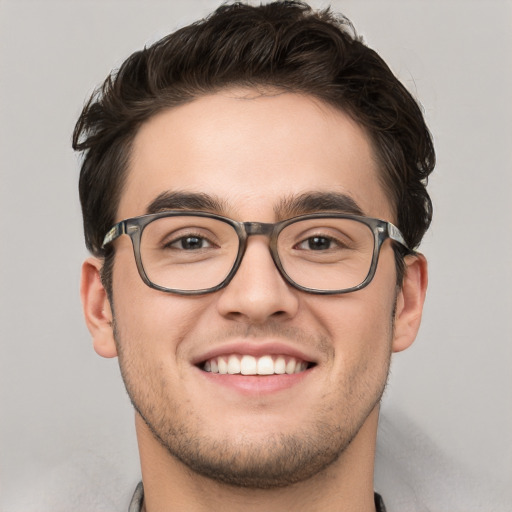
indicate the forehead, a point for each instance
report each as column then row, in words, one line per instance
column 251, row 151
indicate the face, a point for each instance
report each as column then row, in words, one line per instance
column 252, row 154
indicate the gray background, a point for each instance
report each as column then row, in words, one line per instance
column 66, row 426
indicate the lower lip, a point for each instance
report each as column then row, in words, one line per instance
column 257, row 384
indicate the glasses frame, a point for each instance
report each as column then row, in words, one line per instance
column 134, row 227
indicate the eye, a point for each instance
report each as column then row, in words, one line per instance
column 189, row 243
column 318, row 243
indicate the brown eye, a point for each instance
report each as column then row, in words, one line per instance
column 317, row 243
column 189, row 243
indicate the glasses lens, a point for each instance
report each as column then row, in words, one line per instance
column 188, row 252
column 326, row 253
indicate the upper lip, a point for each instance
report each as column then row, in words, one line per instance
column 256, row 349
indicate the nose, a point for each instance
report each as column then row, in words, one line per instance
column 258, row 292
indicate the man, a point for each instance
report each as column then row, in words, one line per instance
column 269, row 172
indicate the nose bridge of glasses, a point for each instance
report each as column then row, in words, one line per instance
column 258, row 228
column 261, row 229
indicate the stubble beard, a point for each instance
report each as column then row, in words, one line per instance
column 277, row 460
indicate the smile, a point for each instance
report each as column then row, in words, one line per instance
column 249, row 365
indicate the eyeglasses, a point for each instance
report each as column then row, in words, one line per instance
column 192, row 253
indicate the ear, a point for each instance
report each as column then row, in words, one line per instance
column 97, row 310
column 409, row 303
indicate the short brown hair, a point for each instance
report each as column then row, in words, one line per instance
column 284, row 45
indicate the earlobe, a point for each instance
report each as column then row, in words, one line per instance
column 410, row 300
column 96, row 307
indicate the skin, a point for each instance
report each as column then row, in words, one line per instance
column 206, row 446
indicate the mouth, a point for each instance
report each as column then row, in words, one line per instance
column 236, row 364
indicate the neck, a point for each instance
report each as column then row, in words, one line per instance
column 345, row 485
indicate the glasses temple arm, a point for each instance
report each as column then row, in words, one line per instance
column 113, row 233
column 395, row 234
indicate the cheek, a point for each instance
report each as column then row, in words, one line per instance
column 148, row 321
column 360, row 326
column 358, row 321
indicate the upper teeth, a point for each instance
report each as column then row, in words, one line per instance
column 250, row 365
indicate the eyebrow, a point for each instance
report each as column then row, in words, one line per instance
column 312, row 202
column 292, row 206
column 177, row 200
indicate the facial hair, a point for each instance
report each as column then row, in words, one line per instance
column 276, row 460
